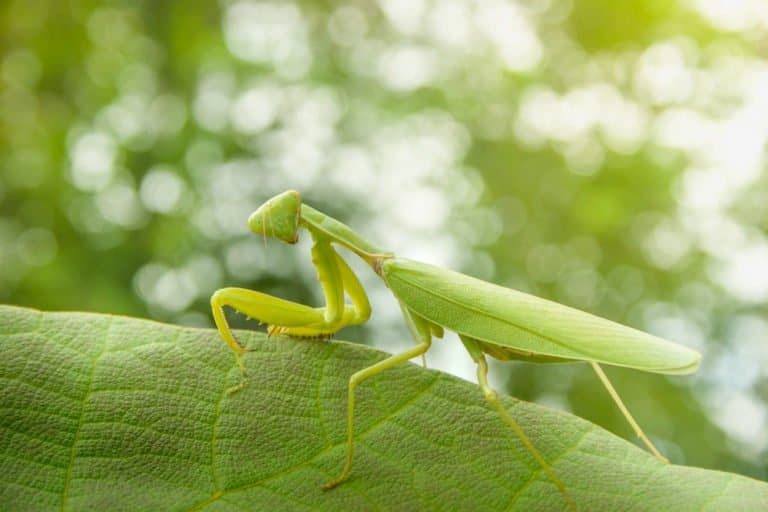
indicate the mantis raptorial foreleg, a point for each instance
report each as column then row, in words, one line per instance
column 476, row 352
column 263, row 307
column 420, row 329
column 294, row 319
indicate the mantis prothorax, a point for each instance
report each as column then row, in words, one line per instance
column 489, row 319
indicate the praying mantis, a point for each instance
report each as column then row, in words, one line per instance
column 490, row 319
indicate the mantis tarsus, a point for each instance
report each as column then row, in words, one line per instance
column 489, row 319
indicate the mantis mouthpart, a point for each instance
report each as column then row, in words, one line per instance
column 489, row 319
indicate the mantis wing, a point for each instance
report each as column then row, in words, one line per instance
column 516, row 320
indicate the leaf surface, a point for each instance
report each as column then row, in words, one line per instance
column 112, row 413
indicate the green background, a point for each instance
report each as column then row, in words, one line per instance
column 605, row 155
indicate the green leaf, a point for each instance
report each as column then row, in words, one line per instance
column 112, row 413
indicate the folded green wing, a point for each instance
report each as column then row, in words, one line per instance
column 519, row 321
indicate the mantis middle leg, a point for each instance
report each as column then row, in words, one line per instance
column 421, row 331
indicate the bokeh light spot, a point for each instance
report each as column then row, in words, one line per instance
column 161, row 190
column 92, row 160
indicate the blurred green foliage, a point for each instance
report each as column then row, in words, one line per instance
column 605, row 155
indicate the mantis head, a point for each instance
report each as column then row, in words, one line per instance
column 278, row 217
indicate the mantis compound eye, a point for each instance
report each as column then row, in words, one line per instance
column 279, row 217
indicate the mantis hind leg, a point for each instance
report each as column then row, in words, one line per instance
column 623, row 408
column 421, row 331
column 482, row 377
